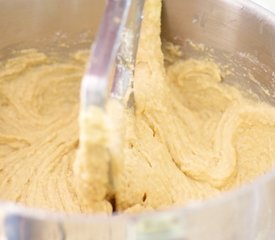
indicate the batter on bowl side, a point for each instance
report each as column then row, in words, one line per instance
column 189, row 137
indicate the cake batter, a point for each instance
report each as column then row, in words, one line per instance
column 190, row 136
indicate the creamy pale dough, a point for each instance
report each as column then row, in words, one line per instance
column 189, row 137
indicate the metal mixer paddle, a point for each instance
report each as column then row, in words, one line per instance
column 108, row 77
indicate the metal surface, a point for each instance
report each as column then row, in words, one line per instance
column 46, row 24
column 109, row 72
column 111, row 64
column 241, row 33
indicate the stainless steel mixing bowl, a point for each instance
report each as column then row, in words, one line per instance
column 238, row 33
